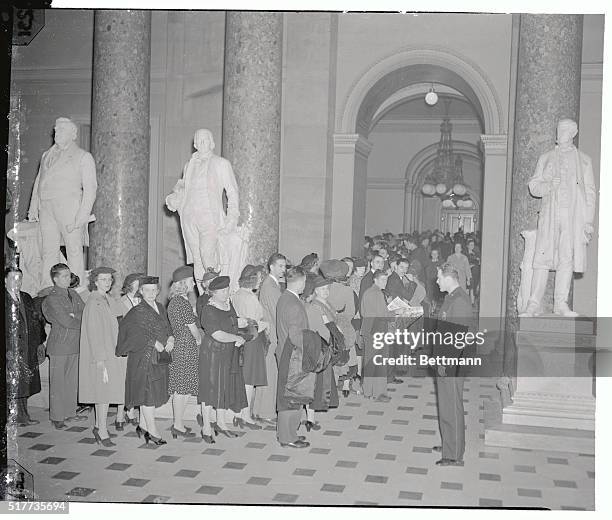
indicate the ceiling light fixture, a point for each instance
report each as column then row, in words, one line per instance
column 431, row 98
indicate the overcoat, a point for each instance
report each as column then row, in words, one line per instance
column 99, row 329
column 145, row 383
column 582, row 209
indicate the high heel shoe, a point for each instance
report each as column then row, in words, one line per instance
column 158, row 441
column 311, row 426
column 119, row 425
column 186, row 433
column 139, row 431
column 217, row 429
column 239, row 421
column 345, row 393
column 107, row 443
column 207, row 438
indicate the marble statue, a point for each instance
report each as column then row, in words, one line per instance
column 213, row 240
column 529, row 235
column 62, row 199
column 563, row 179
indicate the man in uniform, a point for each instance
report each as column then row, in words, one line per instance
column 455, row 315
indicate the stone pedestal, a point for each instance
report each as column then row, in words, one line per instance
column 251, row 122
column 120, row 140
column 554, row 404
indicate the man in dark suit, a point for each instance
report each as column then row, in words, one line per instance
column 63, row 309
column 291, row 320
column 377, row 263
column 397, row 285
column 24, row 332
column 456, row 314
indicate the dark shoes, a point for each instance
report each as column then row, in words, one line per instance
column 107, row 443
column 436, row 448
column 186, row 433
column 297, row 444
column 396, row 381
column 449, row 462
column 311, row 425
column 76, row 418
column 59, row 425
column 241, row 423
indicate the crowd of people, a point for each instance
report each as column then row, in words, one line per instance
column 427, row 251
column 289, row 343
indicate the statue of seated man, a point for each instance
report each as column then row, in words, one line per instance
column 563, row 179
column 213, row 240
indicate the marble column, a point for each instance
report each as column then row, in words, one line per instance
column 252, row 122
column 553, row 405
column 548, row 89
column 120, row 140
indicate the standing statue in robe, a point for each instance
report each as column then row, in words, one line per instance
column 564, row 180
column 213, row 240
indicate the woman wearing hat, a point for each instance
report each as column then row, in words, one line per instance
column 221, row 384
column 247, row 306
column 101, row 372
column 320, row 315
column 130, row 297
column 146, row 337
column 183, row 375
column 344, row 302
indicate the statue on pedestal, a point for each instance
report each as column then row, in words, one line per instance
column 564, row 180
column 63, row 196
column 213, row 240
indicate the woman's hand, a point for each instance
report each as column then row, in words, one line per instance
column 239, row 342
column 169, row 344
column 105, row 376
column 159, row 347
column 262, row 325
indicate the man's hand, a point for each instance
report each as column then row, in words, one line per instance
column 239, row 342
column 588, row 231
column 441, row 370
column 159, row 347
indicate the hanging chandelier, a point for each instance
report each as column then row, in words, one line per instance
column 446, row 178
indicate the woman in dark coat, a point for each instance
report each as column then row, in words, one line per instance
column 145, row 335
column 221, row 383
column 24, row 332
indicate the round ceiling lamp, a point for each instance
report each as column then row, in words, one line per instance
column 431, row 98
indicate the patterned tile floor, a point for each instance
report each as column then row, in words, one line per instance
column 365, row 453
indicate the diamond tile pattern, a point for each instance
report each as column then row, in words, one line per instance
column 366, row 453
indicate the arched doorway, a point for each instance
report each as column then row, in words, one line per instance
column 391, row 81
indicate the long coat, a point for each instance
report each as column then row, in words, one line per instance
column 23, row 333
column 145, row 383
column 269, row 293
column 99, row 329
column 582, row 209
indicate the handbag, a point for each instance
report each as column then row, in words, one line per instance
column 161, row 358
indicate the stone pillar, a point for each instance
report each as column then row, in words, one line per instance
column 408, row 204
column 492, row 218
column 120, row 140
column 252, row 122
column 548, row 89
column 553, row 406
column 349, row 188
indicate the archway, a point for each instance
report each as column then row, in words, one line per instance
column 389, row 81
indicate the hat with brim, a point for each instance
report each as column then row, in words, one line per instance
column 149, row 280
column 319, row 281
column 182, row 273
column 334, row 269
column 220, row 282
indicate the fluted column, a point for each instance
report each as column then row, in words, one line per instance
column 120, row 139
column 251, row 122
column 548, row 89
